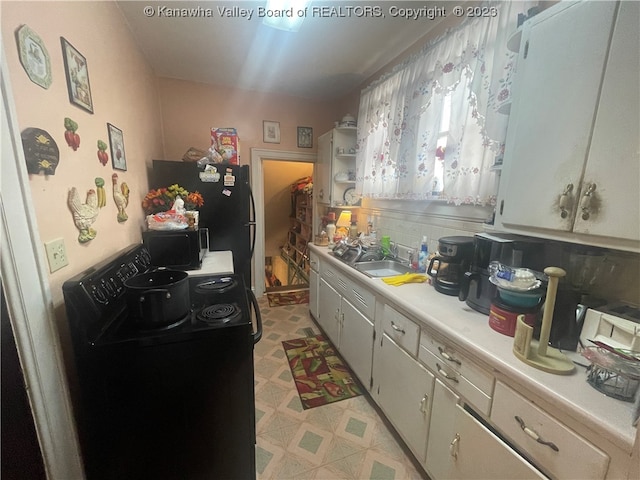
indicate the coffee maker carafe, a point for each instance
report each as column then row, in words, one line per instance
column 512, row 250
column 448, row 267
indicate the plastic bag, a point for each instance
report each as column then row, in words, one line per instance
column 169, row 220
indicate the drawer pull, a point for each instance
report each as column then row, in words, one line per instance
column 397, row 328
column 445, row 375
column 535, row 436
column 453, row 446
column 423, row 403
column 448, row 357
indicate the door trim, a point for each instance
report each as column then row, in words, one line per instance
column 258, row 155
column 30, row 304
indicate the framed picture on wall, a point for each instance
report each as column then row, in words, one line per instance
column 116, row 141
column 305, row 137
column 270, row 132
column 75, row 67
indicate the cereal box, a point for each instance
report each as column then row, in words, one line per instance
column 226, row 142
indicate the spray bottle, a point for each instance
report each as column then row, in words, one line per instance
column 422, row 256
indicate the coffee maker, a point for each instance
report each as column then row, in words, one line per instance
column 512, row 250
column 448, row 267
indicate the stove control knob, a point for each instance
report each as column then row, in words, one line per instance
column 99, row 295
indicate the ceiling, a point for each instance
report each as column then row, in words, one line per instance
column 326, row 59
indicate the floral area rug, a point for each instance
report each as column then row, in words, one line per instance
column 277, row 299
column 320, row 375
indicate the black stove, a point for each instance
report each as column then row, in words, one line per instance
column 175, row 401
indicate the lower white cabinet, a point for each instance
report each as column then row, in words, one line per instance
column 462, row 447
column 350, row 331
column 329, row 311
column 402, row 388
column 557, row 449
column 356, row 341
column 314, row 279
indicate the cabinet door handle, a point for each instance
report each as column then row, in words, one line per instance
column 423, row 403
column 397, row 328
column 586, row 201
column 535, row 436
column 453, row 446
column 445, row 374
column 565, row 201
column 448, row 357
column 321, row 193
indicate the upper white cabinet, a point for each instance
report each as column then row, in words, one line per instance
column 336, row 168
column 572, row 154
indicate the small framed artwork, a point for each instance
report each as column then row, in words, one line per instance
column 305, row 137
column 75, row 67
column 116, row 141
column 270, row 132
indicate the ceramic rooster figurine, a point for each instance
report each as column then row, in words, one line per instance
column 84, row 214
column 120, row 197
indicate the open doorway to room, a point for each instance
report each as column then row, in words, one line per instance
column 287, row 225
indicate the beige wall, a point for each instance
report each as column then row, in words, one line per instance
column 189, row 110
column 124, row 93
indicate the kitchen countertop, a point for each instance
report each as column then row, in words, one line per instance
column 215, row 263
column 469, row 330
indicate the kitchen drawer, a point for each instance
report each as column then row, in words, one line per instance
column 361, row 298
column 575, row 457
column 480, row 400
column 480, row 377
column 404, row 332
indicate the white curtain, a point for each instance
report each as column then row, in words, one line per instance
column 401, row 116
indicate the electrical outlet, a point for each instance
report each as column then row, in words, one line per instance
column 56, row 254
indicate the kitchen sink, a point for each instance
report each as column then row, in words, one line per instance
column 382, row 268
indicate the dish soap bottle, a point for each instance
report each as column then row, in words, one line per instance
column 422, row 256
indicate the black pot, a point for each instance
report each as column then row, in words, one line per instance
column 158, row 299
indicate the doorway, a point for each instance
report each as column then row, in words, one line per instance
column 258, row 159
column 288, row 217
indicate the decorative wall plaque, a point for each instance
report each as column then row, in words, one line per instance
column 40, row 151
column 34, row 57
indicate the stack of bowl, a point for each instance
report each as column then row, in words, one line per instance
column 519, row 293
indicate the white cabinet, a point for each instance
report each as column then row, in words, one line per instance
column 558, row 450
column 345, row 310
column 403, row 389
column 336, row 167
column 572, row 154
column 329, row 311
column 356, row 341
column 461, row 447
column 472, row 381
column 314, row 284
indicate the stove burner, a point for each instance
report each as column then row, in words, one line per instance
column 218, row 314
column 218, row 285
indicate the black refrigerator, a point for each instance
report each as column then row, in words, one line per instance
column 228, row 210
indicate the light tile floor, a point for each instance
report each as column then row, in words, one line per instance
column 345, row 440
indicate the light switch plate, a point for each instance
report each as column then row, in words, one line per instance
column 56, row 254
